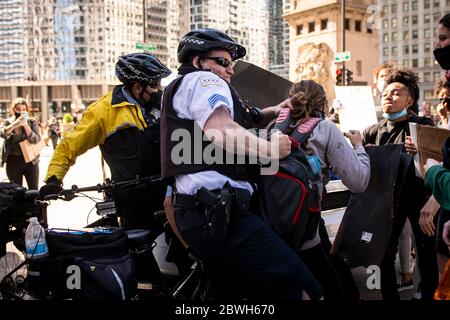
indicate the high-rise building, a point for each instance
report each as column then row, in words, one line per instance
column 316, row 34
column 407, row 36
column 166, row 22
column 278, row 38
column 246, row 21
column 61, row 53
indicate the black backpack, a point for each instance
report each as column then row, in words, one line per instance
column 11, row 205
column 290, row 199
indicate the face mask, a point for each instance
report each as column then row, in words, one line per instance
column 395, row 116
column 442, row 56
column 17, row 114
column 380, row 85
column 155, row 100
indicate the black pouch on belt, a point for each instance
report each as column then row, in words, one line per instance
column 217, row 211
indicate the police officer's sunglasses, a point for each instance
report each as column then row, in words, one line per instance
column 223, row 62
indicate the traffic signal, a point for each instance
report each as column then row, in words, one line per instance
column 348, row 77
column 339, row 75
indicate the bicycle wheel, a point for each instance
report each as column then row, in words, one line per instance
column 13, row 271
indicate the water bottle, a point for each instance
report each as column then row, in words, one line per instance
column 35, row 243
column 443, row 290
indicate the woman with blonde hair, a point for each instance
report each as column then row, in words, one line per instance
column 13, row 130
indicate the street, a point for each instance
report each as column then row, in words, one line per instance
column 77, row 213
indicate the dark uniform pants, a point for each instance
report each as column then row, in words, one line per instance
column 252, row 261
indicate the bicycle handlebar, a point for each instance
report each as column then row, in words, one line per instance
column 108, row 185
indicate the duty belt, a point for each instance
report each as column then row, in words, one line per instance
column 241, row 199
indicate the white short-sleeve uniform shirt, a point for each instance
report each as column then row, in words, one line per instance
column 199, row 94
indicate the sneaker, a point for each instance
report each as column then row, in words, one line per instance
column 402, row 286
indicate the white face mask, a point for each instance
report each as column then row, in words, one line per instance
column 380, row 85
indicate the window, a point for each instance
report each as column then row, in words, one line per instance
column 436, row 17
column 385, row 23
column 427, row 77
column 415, row 63
column 406, row 50
column 427, row 62
column 405, row 6
column 299, row 29
column 405, row 21
column 406, row 63
column 324, row 24
column 415, row 48
column 385, row 52
column 426, row 19
column 414, row 5
column 437, row 75
column 311, row 27
column 358, row 25
column 394, row 36
column 405, row 35
column 427, row 33
column 436, row 3
column 426, row 4
column 385, row 9
column 347, row 24
column 415, row 34
column 426, row 48
column 394, row 51
column 394, row 23
column 394, row 8
column 385, row 38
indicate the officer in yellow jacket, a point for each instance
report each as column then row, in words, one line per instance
column 125, row 124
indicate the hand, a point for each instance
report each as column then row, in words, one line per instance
column 283, row 143
column 427, row 214
column 442, row 111
column 354, row 136
column 53, row 186
column 410, row 146
column 431, row 162
column 285, row 104
column 446, row 234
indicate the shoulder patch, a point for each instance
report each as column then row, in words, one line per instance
column 216, row 98
column 206, row 81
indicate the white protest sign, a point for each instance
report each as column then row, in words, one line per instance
column 357, row 110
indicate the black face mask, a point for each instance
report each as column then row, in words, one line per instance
column 155, row 100
column 442, row 56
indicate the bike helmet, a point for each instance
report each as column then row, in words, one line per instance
column 140, row 67
column 205, row 40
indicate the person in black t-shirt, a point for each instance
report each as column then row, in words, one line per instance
column 400, row 93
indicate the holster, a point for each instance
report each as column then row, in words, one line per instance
column 217, row 209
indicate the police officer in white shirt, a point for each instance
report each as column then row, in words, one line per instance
column 214, row 201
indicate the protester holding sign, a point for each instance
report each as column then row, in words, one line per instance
column 16, row 129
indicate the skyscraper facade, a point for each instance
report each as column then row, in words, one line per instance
column 407, row 36
column 246, row 21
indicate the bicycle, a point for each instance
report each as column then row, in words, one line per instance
column 145, row 247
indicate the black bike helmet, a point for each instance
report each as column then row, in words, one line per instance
column 140, row 67
column 205, row 40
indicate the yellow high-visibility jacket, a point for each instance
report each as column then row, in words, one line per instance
column 128, row 144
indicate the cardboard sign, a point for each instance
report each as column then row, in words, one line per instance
column 429, row 142
column 358, row 109
column 259, row 87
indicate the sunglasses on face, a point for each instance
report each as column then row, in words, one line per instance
column 223, row 62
